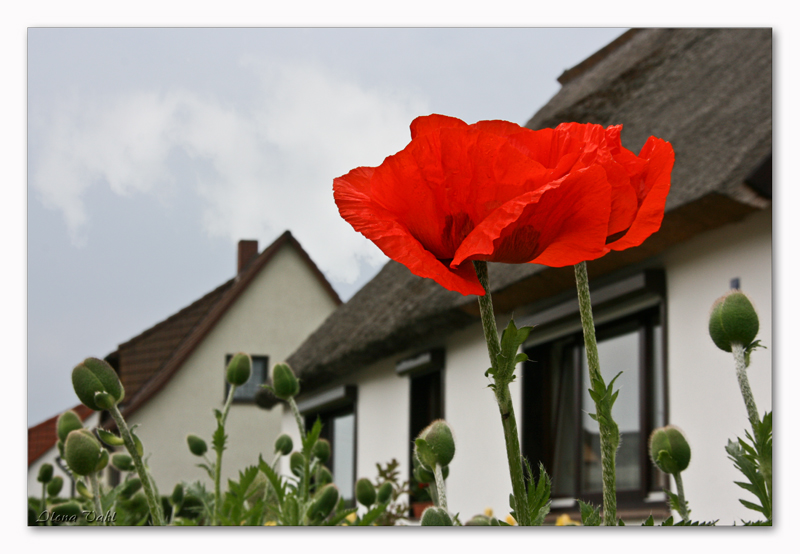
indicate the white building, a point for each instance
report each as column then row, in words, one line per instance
column 404, row 350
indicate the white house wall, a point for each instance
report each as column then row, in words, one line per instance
column 272, row 317
column 704, row 397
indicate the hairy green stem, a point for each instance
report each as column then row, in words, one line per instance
column 155, row 507
column 503, row 397
column 44, row 502
column 609, row 433
column 441, row 495
column 218, row 465
column 96, row 496
column 682, row 509
column 764, row 463
column 306, row 456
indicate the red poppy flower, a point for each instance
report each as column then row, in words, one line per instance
column 499, row 192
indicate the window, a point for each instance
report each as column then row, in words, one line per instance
column 424, row 373
column 557, row 429
column 336, row 410
column 246, row 393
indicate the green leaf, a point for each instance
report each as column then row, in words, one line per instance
column 649, row 522
column 538, row 495
column 219, row 439
column 590, row 515
column 512, row 338
column 312, row 437
column 373, row 514
column 425, row 453
column 109, row 438
column 274, row 479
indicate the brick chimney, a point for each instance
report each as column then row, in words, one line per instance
column 248, row 249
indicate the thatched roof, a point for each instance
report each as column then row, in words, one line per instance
column 707, row 91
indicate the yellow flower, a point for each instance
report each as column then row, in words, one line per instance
column 564, row 519
column 270, row 523
column 488, row 512
column 510, row 520
column 351, row 517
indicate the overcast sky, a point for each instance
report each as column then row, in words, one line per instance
column 151, row 152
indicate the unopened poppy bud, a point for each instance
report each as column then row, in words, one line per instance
column 479, row 519
column 93, row 376
column 435, row 516
column 284, row 383
column 122, row 462
column 54, row 486
column 284, row 444
column 176, row 498
column 669, row 449
column 104, row 400
column 296, row 463
column 324, row 502
column 322, row 450
column 733, row 319
column 82, row 452
column 365, row 492
column 385, row 493
column 197, row 446
column 130, row 487
column 265, row 398
column 439, row 438
column 325, row 476
column 66, row 422
column 239, row 369
column 67, row 509
column 45, row 473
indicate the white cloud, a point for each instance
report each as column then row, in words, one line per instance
column 260, row 170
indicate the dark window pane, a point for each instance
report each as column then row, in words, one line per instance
column 257, row 378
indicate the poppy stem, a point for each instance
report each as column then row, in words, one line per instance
column 503, row 397
column 609, row 431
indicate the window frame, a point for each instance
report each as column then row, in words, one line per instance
column 635, row 302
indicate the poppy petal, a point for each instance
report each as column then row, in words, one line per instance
column 561, row 224
column 351, row 193
column 653, row 186
column 434, row 122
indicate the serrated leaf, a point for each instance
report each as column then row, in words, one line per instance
column 274, row 479
column 590, row 515
column 219, row 438
column 649, row 522
column 109, row 438
column 312, row 437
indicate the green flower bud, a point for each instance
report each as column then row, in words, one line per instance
column 93, row 376
column 439, row 438
column 60, row 446
column 284, row 445
column 365, row 492
column 265, row 398
column 122, row 462
column 669, row 449
column 239, row 369
column 324, row 502
column 385, row 493
column 67, row 509
column 45, row 473
column 479, row 519
column 103, row 461
column 129, row 488
column 82, row 452
column 54, row 486
column 176, row 499
column 434, row 516
column 322, row 450
column 104, row 400
column 197, row 446
column 284, row 383
column 733, row 319
column 138, row 444
column 325, row 476
column 297, row 463
column 66, row 422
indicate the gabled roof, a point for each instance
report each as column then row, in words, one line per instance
column 148, row 361
column 42, row 437
column 707, row 91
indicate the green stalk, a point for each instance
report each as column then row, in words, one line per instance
column 44, row 502
column 218, row 465
column 503, row 397
column 155, row 507
column 441, row 496
column 96, row 496
column 681, row 497
column 609, row 432
column 301, row 426
column 764, row 464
